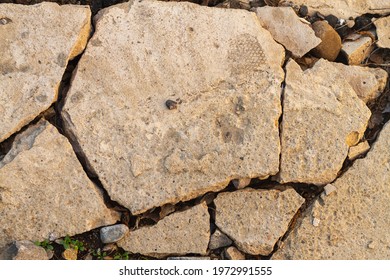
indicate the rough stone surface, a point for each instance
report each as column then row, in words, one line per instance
column 177, row 234
column 287, row 29
column 368, row 83
column 241, row 183
column 188, row 258
column 331, row 41
column 356, row 51
column 225, row 80
column 256, row 219
column 232, row 253
column 218, row 240
column 346, row 8
column 23, row 250
column 322, row 118
column 355, row 218
column 36, row 45
column 44, row 190
column 358, row 150
column 113, row 233
column 383, row 30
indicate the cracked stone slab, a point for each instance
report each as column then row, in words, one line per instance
column 383, row 30
column 354, row 219
column 256, row 219
column 368, row 83
column 217, row 70
column 287, row 29
column 322, row 118
column 180, row 233
column 36, row 44
column 44, row 190
column 346, row 8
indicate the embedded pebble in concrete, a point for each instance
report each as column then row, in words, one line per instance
column 322, row 118
column 287, row 29
column 36, row 44
column 225, row 78
column 44, row 191
column 180, row 233
column 256, row 219
column 113, row 233
column 354, row 219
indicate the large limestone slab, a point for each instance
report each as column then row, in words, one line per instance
column 44, row 191
column 346, row 8
column 221, row 73
column 287, row 29
column 36, row 44
column 354, row 220
column 256, row 219
column 368, row 83
column 322, row 118
column 177, row 234
column 383, row 30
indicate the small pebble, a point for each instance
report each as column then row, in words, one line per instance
column 362, row 23
column 332, row 20
column 316, row 222
column 70, row 254
column 113, row 233
column 303, row 11
column 171, row 105
column 232, row 253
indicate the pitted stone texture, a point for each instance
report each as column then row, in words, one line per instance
column 256, row 219
column 355, row 218
column 287, row 29
column 177, row 234
column 36, row 45
column 368, row 83
column 383, row 30
column 346, row 8
column 322, row 118
column 23, row 250
column 44, row 190
column 220, row 66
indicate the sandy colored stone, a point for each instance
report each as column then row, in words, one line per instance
column 181, row 233
column 357, row 50
column 70, row 254
column 36, row 44
column 287, row 29
column 383, row 30
column 241, row 183
column 23, row 250
column 44, row 190
column 367, row 82
column 330, row 46
column 355, row 219
column 220, row 67
column 256, row 219
column 232, row 253
column 346, row 8
column 322, row 118
column 359, row 149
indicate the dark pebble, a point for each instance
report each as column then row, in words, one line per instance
column 303, row 11
column 332, row 20
column 362, row 23
column 171, row 105
column 343, row 31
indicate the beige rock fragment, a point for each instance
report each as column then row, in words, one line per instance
column 287, row 29
column 256, row 219
column 36, row 44
column 221, row 68
column 359, row 149
column 357, row 50
column 44, row 191
column 232, row 253
column 383, row 30
column 177, row 234
column 23, row 250
column 368, row 83
column 353, row 219
column 241, row 183
column 322, row 118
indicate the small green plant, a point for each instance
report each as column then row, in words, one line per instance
column 68, row 242
column 99, row 254
column 121, row 256
column 46, row 244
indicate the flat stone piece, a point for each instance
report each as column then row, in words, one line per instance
column 44, row 190
column 368, row 83
column 346, row 8
column 225, row 78
column 113, row 233
column 356, row 51
column 322, row 118
column 182, row 233
column 23, row 250
column 383, row 30
column 287, row 29
column 355, row 219
column 256, row 219
column 358, row 150
column 218, row 240
column 232, row 253
column 36, row 44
